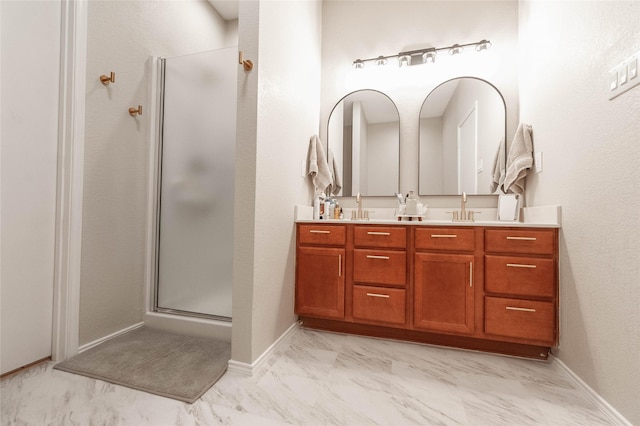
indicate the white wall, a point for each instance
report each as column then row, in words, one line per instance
column 30, row 76
column 367, row 29
column 121, row 38
column 283, row 38
column 245, row 192
column 591, row 168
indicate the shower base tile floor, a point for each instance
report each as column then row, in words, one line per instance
column 319, row 378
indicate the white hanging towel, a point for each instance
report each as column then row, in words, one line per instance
column 336, row 181
column 519, row 160
column 497, row 176
column 318, row 166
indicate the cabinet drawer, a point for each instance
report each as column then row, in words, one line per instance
column 379, row 304
column 520, row 276
column 457, row 239
column 379, row 267
column 520, row 241
column 520, row 319
column 376, row 236
column 329, row 235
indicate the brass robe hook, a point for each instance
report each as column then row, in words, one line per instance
column 247, row 64
column 108, row 79
column 133, row 111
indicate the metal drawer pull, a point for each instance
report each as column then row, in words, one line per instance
column 470, row 274
column 315, row 231
column 443, row 236
column 519, row 265
column 513, row 308
column 371, row 256
column 339, row 265
column 522, row 238
column 378, row 233
column 385, row 296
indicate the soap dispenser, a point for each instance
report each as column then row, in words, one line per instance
column 412, row 204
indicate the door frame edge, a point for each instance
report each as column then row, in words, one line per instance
column 69, row 185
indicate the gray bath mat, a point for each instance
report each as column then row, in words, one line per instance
column 166, row 364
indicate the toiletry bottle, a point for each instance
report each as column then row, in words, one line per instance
column 321, row 205
column 327, row 206
column 336, row 211
column 316, row 207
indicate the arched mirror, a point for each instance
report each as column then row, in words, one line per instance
column 363, row 136
column 462, row 124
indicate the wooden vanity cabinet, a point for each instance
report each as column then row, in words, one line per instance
column 320, row 271
column 483, row 288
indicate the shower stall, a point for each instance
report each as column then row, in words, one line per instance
column 194, row 184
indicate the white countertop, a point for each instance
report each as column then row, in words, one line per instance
column 538, row 217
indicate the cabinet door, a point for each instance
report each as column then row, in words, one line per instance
column 444, row 293
column 320, row 282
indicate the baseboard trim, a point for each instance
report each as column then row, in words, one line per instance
column 24, row 367
column 241, row 368
column 245, row 369
column 606, row 408
column 96, row 342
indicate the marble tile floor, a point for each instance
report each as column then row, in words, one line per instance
column 318, row 378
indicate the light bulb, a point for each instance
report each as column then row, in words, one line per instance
column 483, row 45
column 455, row 49
column 381, row 60
column 429, row 56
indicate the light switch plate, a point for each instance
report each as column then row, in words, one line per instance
column 624, row 76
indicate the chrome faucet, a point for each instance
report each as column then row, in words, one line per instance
column 359, row 202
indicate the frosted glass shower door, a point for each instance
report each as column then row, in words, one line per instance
column 195, row 241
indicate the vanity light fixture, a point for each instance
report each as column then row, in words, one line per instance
column 422, row 56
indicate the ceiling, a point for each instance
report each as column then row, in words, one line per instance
column 228, row 9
